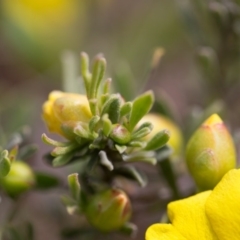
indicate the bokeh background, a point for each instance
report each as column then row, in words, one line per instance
column 37, row 36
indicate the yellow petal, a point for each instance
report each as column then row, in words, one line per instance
column 72, row 107
column 163, row 232
column 223, row 207
column 50, row 119
column 212, row 120
column 64, row 107
column 189, row 218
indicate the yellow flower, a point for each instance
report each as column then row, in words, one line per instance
column 62, row 108
column 159, row 123
column 210, row 215
column 210, row 153
column 41, row 29
column 40, row 20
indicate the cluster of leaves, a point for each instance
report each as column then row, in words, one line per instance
column 112, row 137
column 110, row 140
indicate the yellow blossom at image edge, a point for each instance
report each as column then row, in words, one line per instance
column 210, row 215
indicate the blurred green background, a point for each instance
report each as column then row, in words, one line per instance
column 34, row 34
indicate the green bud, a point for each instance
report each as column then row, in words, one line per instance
column 210, row 153
column 20, row 179
column 108, row 210
column 120, row 134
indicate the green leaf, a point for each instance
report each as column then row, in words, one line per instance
column 112, row 108
column 144, row 125
column 141, row 106
column 107, row 86
column 93, row 123
column 141, row 133
column 85, row 72
column 82, row 131
column 63, row 150
column 121, row 148
column 62, row 159
column 52, row 142
column 5, row 164
column 140, row 144
column 93, row 103
column 107, row 125
column 126, row 109
column 99, row 67
column 158, row 140
column 74, row 186
column 45, row 181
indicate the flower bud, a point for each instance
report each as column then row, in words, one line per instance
column 120, row 134
column 108, row 210
column 160, row 123
column 20, row 179
column 65, row 107
column 210, row 153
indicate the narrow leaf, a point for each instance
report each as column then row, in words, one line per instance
column 148, row 157
column 93, row 123
column 99, row 67
column 62, row 160
column 112, row 108
column 5, row 164
column 45, row 181
column 52, row 142
column 107, row 125
column 141, row 133
column 107, row 86
column 159, row 140
column 141, row 106
column 85, row 72
column 121, row 148
column 63, row 150
column 81, row 131
column 125, row 109
column 74, row 186
column 140, row 144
